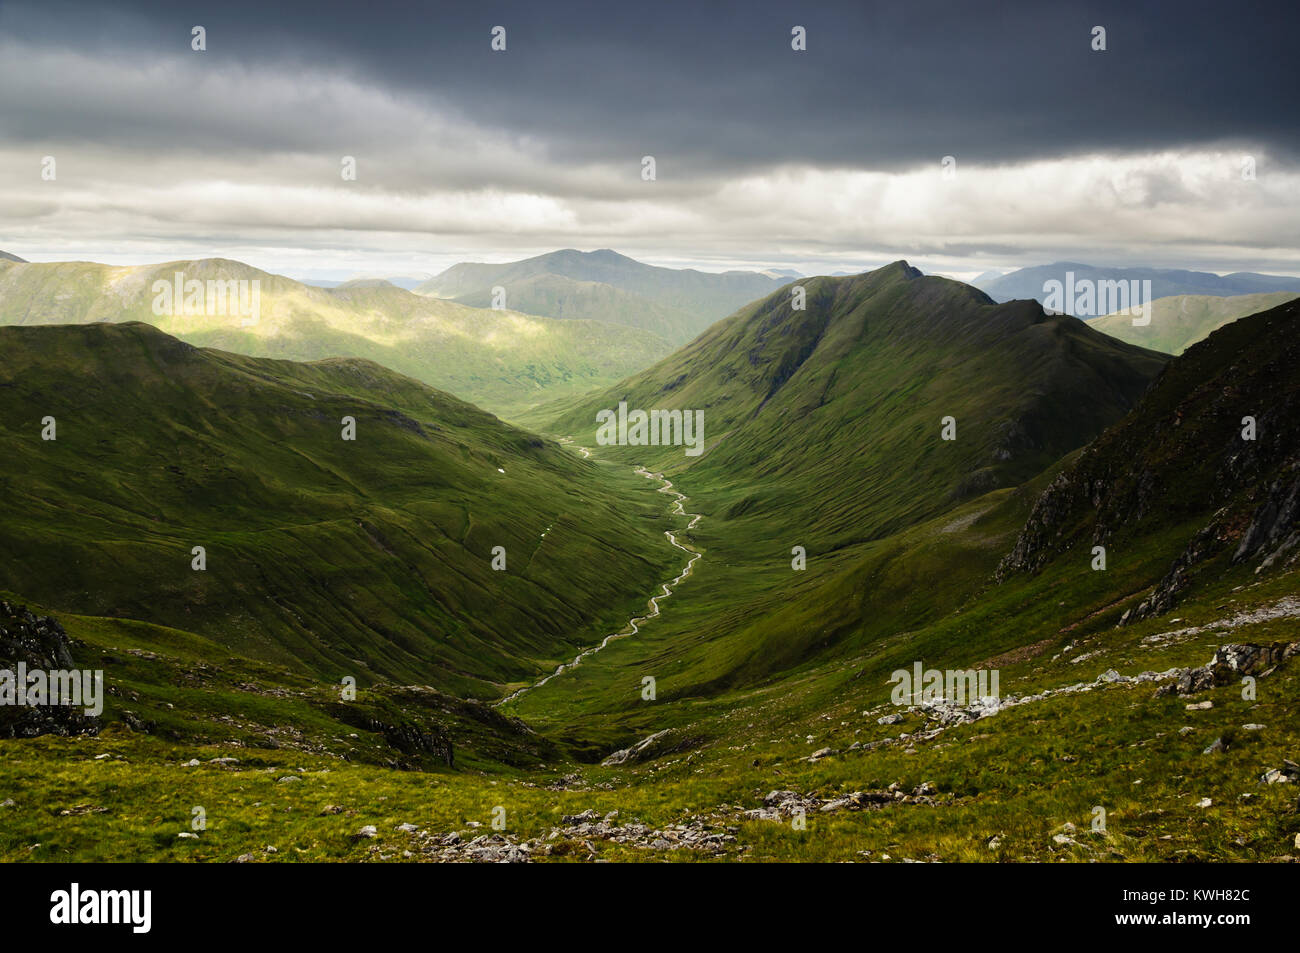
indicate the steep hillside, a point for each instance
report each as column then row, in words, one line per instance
column 676, row 304
column 501, row 360
column 368, row 557
column 1180, row 321
column 828, row 420
column 1187, row 466
column 5, row 256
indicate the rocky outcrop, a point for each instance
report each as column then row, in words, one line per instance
column 785, row 805
column 660, row 743
column 38, row 643
column 1230, row 664
column 1275, row 526
column 1215, row 442
column 411, row 738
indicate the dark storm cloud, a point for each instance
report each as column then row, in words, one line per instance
column 715, row 88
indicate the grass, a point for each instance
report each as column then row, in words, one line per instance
column 371, row 558
column 757, row 665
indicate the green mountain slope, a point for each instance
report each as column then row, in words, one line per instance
column 770, row 678
column 1187, row 463
column 775, row 680
column 828, row 420
column 824, row 432
column 502, row 360
column 676, row 304
column 1179, row 321
column 367, row 558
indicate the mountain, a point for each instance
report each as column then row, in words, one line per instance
column 1179, row 321
column 502, row 360
column 842, row 537
column 763, row 692
column 1028, row 282
column 829, row 418
column 557, row 296
column 676, row 304
column 369, row 557
column 5, row 256
column 1183, row 469
column 400, row 281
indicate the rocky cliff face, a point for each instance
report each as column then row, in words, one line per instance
column 1214, row 442
column 37, row 643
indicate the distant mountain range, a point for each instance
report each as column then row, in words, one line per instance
column 1179, row 321
column 407, row 282
column 500, row 360
column 675, row 304
column 5, row 256
column 1028, row 282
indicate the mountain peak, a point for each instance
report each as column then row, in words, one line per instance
column 902, row 268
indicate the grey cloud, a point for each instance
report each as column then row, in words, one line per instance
column 715, row 88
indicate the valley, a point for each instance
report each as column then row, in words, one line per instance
column 687, row 657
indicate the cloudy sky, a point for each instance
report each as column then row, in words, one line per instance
column 825, row 159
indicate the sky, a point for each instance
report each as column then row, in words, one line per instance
column 1176, row 145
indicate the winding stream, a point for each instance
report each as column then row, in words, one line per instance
column 634, row 624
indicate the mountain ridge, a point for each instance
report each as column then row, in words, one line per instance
column 877, row 358
column 675, row 303
column 502, row 359
column 370, row 554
